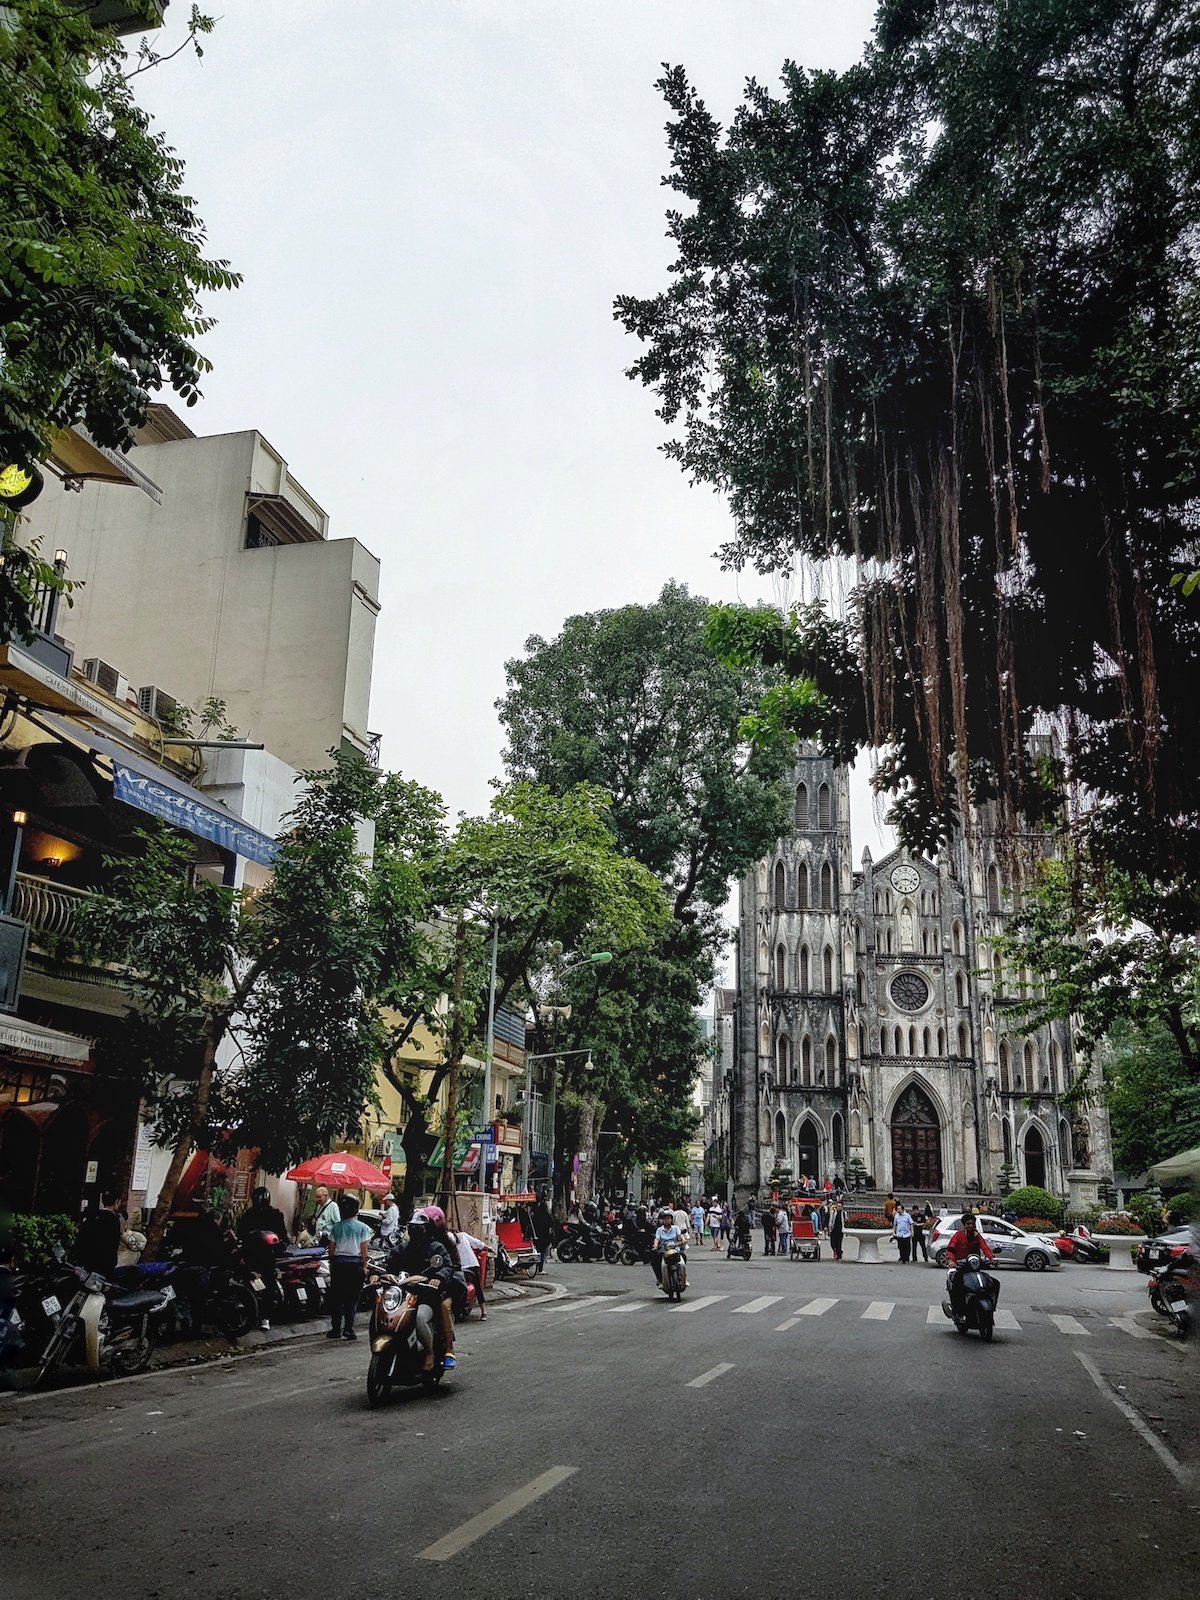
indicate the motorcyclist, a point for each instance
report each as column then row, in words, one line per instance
column 967, row 1241
column 741, row 1228
column 425, row 1256
column 667, row 1235
column 260, row 1220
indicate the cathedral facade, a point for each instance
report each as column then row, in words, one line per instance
column 874, row 1029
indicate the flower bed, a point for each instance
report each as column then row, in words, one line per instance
column 1036, row 1225
column 1118, row 1224
column 869, row 1219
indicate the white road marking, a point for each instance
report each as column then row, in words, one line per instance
column 707, row 1377
column 704, row 1300
column 459, row 1538
column 817, row 1308
column 616, row 1311
column 1005, row 1319
column 935, row 1314
column 1182, row 1474
column 754, row 1306
column 878, row 1311
column 1130, row 1325
column 1070, row 1325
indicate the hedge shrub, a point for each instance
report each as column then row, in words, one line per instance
column 34, row 1238
column 1031, row 1201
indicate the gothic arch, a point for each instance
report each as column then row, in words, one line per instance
column 956, row 939
column 1035, row 1145
column 801, row 813
column 964, row 1040
column 916, row 1120
column 993, row 889
column 827, row 970
column 780, row 887
column 802, row 887
column 780, row 1136
column 806, row 1061
column 804, row 972
column 780, row 967
column 764, row 956
column 831, row 1072
column 809, row 1141
column 826, row 887
column 824, row 808
column 764, row 1039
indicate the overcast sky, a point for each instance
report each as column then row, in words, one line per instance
column 434, row 205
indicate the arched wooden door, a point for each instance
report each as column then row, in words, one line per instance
column 916, row 1142
column 1035, row 1158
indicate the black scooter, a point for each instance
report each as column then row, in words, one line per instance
column 739, row 1248
column 980, row 1292
column 1168, row 1288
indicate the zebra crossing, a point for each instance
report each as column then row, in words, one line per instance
column 894, row 1313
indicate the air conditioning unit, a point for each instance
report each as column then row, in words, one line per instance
column 107, row 677
column 153, row 702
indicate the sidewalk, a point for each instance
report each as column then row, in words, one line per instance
column 213, row 1347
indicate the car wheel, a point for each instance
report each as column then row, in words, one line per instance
column 1035, row 1261
column 942, row 1259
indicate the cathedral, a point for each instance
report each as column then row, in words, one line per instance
column 872, row 1025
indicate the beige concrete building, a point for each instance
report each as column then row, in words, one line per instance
column 229, row 586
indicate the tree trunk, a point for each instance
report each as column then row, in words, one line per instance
column 590, row 1116
column 186, row 1143
column 412, row 1142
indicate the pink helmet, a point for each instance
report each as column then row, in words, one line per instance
column 436, row 1215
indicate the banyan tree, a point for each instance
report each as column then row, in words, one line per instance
column 933, row 329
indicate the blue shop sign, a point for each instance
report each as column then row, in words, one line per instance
column 193, row 815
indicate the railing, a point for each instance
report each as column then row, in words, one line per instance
column 46, row 906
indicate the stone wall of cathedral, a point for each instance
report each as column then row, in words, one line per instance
column 874, row 1024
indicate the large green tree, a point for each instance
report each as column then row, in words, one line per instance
column 633, row 699
column 1153, row 1103
column 934, row 330
column 251, row 1023
column 102, row 261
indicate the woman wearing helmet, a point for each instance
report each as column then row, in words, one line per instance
column 264, row 1235
column 425, row 1256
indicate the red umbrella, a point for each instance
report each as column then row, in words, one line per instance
column 341, row 1171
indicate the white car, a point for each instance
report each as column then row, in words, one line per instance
column 1012, row 1246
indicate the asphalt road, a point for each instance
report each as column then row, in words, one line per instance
column 790, row 1428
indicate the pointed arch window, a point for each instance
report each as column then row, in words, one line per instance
column 899, row 1042
column 964, row 1045
column 941, row 1041
column 804, row 974
column 960, row 990
column 926, row 1042
column 781, row 968
column 1005, row 1078
column 1007, row 1142
column 780, row 887
column 860, row 985
column 997, row 972
column 802, row 806
column 802, row 887
column 912, row 1041
column 993, row 888
column 1031, row 1065
column 859, row 940
column 827, row 970
column 806, row 1061
column 780, row 1136
column 826, row 887
column 956, row 936
column 1056, row 1083
column 824, row 807
column 831, row 1060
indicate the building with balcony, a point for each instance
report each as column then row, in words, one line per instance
column 224, row 584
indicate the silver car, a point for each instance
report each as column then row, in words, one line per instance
column 1011, row 1246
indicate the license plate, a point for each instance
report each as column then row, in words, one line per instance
column 51, row 1306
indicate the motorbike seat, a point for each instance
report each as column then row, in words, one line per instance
column 302, row 1253
column 140, row 1300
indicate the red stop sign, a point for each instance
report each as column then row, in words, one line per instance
column 385, row 1166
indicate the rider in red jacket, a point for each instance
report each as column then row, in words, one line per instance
column 968, row 1241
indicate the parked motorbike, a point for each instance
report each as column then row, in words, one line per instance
column 585, row 1241
column 980, row 1292
column 218, row 1296
column 104, row 1327
column 1168, row 1288
column 636, row 1246
column 674, row 1272
column 1076, row 1246
column 397, row 1354
column 739, row 1249
column 303, row 1277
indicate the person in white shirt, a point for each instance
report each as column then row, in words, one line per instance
column 389, row 1222
column 681, row 1222
column 666, row 1235
column 467, row 1245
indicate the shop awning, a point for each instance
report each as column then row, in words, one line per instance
column 31, row 1039
column 139, row 783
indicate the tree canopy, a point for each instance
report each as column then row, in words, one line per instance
column 934, row 330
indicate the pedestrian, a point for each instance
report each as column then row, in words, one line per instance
column 920, row 1237
column 837, row 1230
column 726, row 1221
column 828, row 1184
column 98, row 1242
column 714, row 1223
column 348, row 1240
column 770, row 1230
column 389, row 1222
column 902, row 1231
column 325, row 1215
column 697, row 1220
column 543, row 1228
column 468, row 1244
column 681, row 1218
column 783, row 1227
column 889, row 1208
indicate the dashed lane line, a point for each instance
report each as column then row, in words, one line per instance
column 1130, row 1325
column 466, row 1533
column 707, row 1377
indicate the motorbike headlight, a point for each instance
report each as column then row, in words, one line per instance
column 390, row 1298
